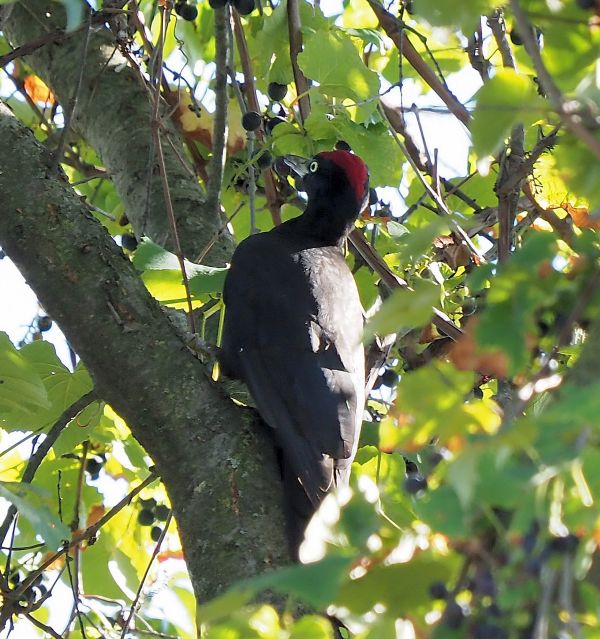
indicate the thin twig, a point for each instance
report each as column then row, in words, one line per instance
column 390, row 25
column 218, row 234
column 440, row 204
column 71, row 106
column 548, row 582
column 138, row 594
column 512, row 161
column 441, row 321
column 163, row 169
column 42, row 626
column 295, row 38
column 74, row 575
column 273, row 200
column 219, row 136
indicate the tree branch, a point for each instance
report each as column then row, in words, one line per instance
column 93, row 291
column 109, row 87
column 389, row 24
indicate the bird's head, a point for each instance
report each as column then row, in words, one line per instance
column 333, row 179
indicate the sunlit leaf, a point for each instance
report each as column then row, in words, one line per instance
column 22, row 391
column 33, row 504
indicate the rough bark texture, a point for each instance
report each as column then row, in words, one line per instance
column 216, row 465
column 114, row 114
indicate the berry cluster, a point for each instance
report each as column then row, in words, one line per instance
column 252, row 121
column 151, row 512
column 33, row 594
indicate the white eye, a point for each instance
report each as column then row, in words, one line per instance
column 313, row 166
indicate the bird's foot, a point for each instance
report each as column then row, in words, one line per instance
column 205, row 351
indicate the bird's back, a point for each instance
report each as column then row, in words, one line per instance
column 292, row 333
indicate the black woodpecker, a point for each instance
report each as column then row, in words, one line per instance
column 292, row 333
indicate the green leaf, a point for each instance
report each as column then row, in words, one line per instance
column 399, row 587
column 444, row 13
column 289, row 140
column 162, row 274
column 413, row 246
column 22, row 391
column 316, row 584
column 502, row 102
column 331, row 59
column 78, row 429
column 63, row 387
column 405, row 309
column 33, row 504
column 509, row 316
column 441, row 510
column 224, row 605
column 312, row 627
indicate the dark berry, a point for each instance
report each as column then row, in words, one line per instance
column 373, row 197
column 276, row 91
column 162, row 512
column 93, row 466
column 415, row 483
column 585, row 4
column 244, row 7
column 389, row 377
column 342, row 145
column 44, row 323
column 515, row 37
column 438, row 590
column 264, row 160
column 217, row 4
column 155, row 533
column 453, row 615
column 251, row 120
column 129, row 242
column 123, row 220
column 271, row 123
column 188, row 12
column 145, row 517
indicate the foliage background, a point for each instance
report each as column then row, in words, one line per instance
column 473, row 508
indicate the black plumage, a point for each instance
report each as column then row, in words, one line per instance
column 292, row 333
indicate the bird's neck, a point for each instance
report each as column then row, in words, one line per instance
column 331, row 225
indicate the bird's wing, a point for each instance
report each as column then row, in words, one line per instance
column 304, row 381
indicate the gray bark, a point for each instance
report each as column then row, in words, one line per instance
column 114, row 114
column 218, row 468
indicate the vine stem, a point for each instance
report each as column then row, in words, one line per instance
column 163, row 170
